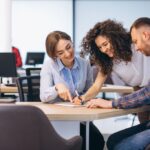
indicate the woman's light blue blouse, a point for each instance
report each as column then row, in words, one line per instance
column 79, row 77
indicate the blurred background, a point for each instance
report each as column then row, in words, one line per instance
column 27, row 22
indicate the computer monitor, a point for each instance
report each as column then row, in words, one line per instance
column 8, row 64
column 34, row 58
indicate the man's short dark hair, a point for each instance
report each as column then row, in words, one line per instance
column 140, row 22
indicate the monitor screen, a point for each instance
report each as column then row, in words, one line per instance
column 7, row 65
column 34, row 58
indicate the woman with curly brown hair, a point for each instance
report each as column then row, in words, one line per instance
column 107, row 41
column 111, row 46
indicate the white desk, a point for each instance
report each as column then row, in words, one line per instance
column 57, row 113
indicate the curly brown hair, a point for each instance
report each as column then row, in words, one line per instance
column 119, row 38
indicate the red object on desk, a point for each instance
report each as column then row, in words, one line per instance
column 18, row 56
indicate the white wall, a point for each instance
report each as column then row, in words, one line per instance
column 89, row 12
column 5, row 25
column 33, row 20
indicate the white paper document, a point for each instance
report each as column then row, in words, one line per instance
column 68, row 104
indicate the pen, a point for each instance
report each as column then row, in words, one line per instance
column 77, row 94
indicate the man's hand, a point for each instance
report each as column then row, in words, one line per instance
column 63, row 92
column 95, row 103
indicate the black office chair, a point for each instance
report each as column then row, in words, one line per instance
column 28, row 88
column 28, row 128
column 33, row 71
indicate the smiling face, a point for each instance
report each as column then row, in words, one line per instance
column 104, row 45
column 65, row 52
column 141, row 39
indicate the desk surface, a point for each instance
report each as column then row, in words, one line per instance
column 8, row 89
column 56, row 112
column 117, row 89
column 107, row 88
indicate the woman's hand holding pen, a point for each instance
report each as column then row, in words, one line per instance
column 63, row 92
column 78, row 100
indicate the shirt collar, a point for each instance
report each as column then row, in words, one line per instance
column 61, row 66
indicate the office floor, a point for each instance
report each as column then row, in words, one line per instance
column 112, row 125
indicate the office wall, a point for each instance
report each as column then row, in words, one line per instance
column 33, row 20
column 89, row 12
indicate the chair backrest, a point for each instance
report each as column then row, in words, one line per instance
column 28, row 128
column 28, row 88
column 33, row 71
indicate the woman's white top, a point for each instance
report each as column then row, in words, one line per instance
column 136, row 72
